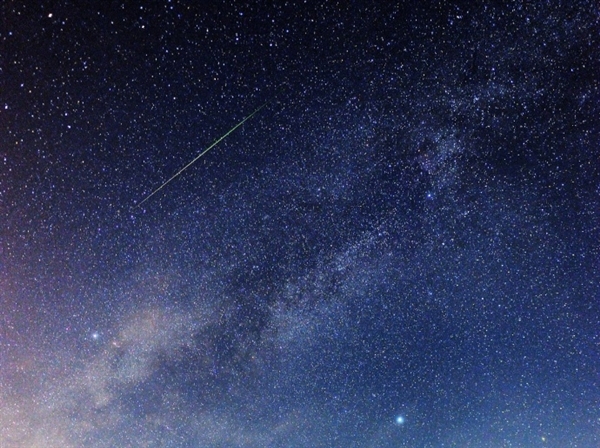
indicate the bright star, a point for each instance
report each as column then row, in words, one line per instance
column 400, row 420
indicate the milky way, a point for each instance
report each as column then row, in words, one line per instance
column 400, row 250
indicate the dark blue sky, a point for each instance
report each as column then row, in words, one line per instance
column 408, row 228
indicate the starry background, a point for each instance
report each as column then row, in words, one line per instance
column 400, row 249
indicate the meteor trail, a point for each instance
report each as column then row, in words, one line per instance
column 215, row 143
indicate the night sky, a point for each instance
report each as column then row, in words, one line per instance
column 400, row 249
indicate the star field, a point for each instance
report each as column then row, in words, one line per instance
column 401, row 249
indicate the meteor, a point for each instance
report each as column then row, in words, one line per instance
column 215, row 143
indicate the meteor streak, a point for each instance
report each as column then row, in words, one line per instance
column 215, row 143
